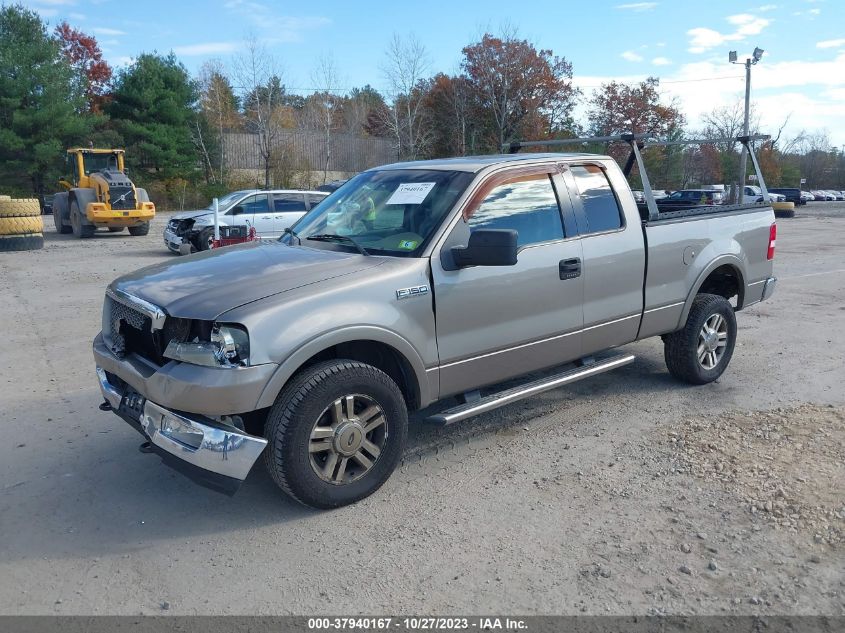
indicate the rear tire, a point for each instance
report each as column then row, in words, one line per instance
column 700, row 352
column 77, row 222
column 140, row 230
column 325, row 453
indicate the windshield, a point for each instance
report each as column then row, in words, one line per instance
column 389, row 212
column 98, row 162
column 228, row 200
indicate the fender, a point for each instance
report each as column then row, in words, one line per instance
column 292, row 363
column 731, row 260
column 83, row 198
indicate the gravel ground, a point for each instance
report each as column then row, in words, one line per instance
column 626, row 494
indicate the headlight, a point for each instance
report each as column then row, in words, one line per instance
column 228, row 347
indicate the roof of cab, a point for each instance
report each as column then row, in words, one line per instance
column 475, row 164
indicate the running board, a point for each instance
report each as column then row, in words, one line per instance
column 502, row 398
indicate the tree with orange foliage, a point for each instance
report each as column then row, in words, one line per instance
column 518, row 90
column 85, row 57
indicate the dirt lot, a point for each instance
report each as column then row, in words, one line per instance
column 628, row 493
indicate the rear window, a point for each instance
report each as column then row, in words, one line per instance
column 600, row 205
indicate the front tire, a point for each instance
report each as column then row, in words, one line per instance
column 140, row 230
column 335, row 433
column 205, row 240
column 77, row 222
column 700, row 352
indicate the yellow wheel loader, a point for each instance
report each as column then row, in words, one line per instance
column 100, row 195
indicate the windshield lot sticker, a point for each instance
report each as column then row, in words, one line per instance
column 411, row 193
column 408, row 244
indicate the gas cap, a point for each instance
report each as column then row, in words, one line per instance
column 689, row 255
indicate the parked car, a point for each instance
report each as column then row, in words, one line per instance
column 791, row 194
column 807, row 196
column 687, row 198
column 839, row 195
column 414, row 283
column 820, row 194
column 753, row 193
column 332, row 186
column 270, row 212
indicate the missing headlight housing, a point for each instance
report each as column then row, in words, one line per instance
column 228, row 346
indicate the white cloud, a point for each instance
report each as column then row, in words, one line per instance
column 124, row 61
column 101, row 30
column 207, row 48
column 661, row 61
column 812, row 92
column 766, row 7
column 637, row 6
column 831, row 43
column 57, row 3
column 80, row 17
column 631, row 56
column 282, row 28
column 703, row 39
column 814, row 11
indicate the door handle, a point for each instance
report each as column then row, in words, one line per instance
column 570, row 268
column 266, row 217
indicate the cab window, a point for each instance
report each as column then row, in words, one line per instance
column 600, row 205
column 526, row 204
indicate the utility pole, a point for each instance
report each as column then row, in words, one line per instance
column 743, row 158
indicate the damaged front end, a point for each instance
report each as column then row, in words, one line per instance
column 134, row 353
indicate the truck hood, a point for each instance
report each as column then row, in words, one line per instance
column 205, row 285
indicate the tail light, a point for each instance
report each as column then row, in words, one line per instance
column 773, row 233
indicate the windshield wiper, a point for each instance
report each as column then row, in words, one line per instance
column 292, row 233
column 332, row 237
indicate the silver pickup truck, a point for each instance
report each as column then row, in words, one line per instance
column 411, row 284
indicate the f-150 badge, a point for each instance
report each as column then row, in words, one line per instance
column 413, row 291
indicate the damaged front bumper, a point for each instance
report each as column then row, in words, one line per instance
column 216, row 455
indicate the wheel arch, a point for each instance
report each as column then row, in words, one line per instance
column 724, row 277
column 380, row 348
column 82, row 197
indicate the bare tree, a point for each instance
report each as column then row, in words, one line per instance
column 325, row 103
column 258, row 79
column 405, row 66
column 219, row 106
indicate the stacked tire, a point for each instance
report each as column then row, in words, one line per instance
column 21, row 226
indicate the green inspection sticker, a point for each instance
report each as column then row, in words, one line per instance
column 408, row 245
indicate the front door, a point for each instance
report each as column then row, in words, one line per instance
column 254, row 211
column 494, row 323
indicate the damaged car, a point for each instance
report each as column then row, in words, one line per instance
column 269, row 212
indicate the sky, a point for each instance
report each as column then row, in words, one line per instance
column 800, row 79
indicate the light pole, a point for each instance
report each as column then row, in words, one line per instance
column 756, row 56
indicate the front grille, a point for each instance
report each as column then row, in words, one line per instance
column 121, row 198
column 179, row 227
column 129, row 331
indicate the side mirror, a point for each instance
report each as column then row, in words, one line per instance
column 487, row 247
column 237, row 210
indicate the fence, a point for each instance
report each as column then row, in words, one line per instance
column 307, row 149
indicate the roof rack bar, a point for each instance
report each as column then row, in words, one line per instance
column 651, row 139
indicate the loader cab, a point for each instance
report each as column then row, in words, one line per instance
column 81, row 163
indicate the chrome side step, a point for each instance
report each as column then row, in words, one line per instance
column 501, row 398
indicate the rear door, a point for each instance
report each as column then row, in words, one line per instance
column 496, row 322
column 288, row 207
column 614, row 255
